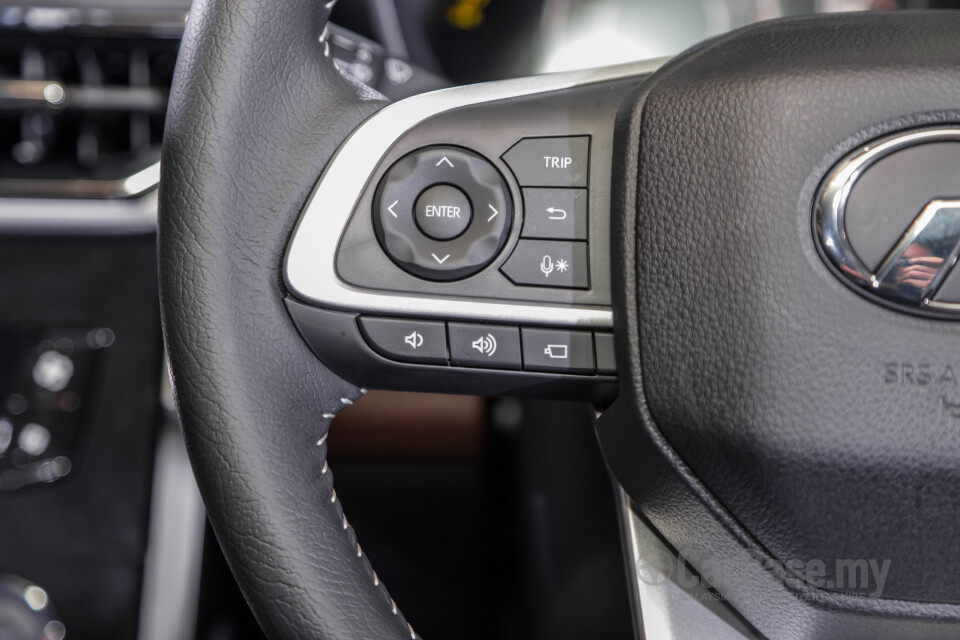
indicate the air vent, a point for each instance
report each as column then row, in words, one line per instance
column 80, row 114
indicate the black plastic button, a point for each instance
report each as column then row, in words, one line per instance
column 411, row 240
column 555, row 213
column 550, row 162
column 560, row 351
column 606, row 353
column 549, row 263
column 443, row 212
column 481, row 345
column 406, row 340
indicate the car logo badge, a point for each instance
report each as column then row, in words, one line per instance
column 911, row 274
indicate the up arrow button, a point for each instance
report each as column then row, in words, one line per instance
column 550, row 162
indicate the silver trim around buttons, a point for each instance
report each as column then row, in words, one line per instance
column 309, row 266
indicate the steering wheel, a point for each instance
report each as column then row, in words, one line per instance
column 768, row 224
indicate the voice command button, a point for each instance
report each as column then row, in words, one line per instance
column 549, row 263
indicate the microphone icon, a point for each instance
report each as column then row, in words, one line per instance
column 546, row 265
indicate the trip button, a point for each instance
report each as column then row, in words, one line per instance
column 555, row 213
column 550, row 162
column 481, row 345
column 406, row 340
column 549, row 263
column 442, row 212
column 559, row 351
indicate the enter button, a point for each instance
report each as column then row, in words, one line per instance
column 443, row 212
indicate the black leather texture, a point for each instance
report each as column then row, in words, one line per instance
column 255, row 112
column 769, row 423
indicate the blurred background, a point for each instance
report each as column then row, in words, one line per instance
column 464, row 504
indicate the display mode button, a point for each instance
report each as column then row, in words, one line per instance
column 559, row 351
column 406, row 340
column 443, row 212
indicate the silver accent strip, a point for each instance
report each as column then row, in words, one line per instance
column 18, row 94
column 171, row 579
column 107, row 17
column 78, row 217
column 129, row 187
column 309, row 265
column 667, row 603
column 80, row 207
column 831, row 232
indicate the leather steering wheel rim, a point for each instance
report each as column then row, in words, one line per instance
column 256, row 110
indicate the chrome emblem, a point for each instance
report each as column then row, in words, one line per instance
column 916, row 266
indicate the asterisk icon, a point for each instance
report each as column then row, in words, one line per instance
column 562, row 265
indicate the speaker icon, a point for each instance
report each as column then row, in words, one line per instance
column 487, row 345
column 415, row 339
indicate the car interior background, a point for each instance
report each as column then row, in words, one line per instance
column 487, row 516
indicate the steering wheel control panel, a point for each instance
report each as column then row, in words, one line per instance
column 490, row 346
column 444, row 213
column 473, row 245
column 552, row 173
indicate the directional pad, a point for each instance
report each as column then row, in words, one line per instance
column 442, row 213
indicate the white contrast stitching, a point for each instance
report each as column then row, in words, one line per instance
column 333, row 492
